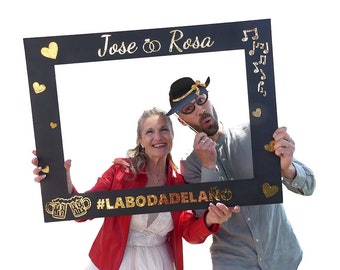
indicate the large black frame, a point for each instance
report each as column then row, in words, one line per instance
column 44, row 53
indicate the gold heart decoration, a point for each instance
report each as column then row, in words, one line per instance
column 269, row 190
column 270, row 146
column 257, row 112
column 46, row 169
column 38, row 88
column 51, row 51
column 53, row 125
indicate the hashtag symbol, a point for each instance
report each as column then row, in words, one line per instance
column 100, row 204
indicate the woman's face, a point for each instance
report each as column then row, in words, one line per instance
column 156, row 137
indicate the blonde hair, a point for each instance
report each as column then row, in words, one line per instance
column 137, row 155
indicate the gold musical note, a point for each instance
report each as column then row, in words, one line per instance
column 260, row 88
column 252, row 52
column 263, row 59
column 256, row 70
column 261, row 46
column 254, row 37
column 263, row 77
column 266, row 50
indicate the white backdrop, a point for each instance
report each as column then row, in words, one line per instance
column 305, row 38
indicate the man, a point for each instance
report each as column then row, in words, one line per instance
column 259, row 236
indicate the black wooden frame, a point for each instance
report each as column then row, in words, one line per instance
column 44, row 53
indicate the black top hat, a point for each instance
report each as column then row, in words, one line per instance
column 183, row 91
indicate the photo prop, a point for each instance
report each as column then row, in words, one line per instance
column 43, row 54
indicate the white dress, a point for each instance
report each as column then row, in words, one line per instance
column 147, row 246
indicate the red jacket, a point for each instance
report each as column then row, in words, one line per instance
column 108, row 248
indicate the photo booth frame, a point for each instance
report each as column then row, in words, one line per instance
column 44, row 53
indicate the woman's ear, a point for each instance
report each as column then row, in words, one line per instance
column 139, row 140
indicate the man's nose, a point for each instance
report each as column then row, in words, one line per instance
column 199, row 109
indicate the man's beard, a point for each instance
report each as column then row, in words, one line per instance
column 212, row 128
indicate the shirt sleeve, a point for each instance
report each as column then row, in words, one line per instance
column 194, row 172
column 209, row 175
column 304, row 181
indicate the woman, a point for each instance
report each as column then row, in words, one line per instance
column 146, row 241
